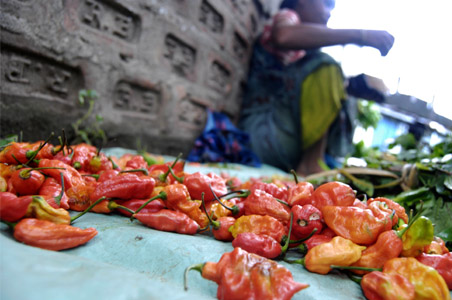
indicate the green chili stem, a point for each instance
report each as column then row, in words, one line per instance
column 88, row 209
column 295, row 176
column 114, row 165
column 214, row 223
column 162, row 195
column 236, row 194
column 113, row 205
column 300, row 261
column 282, row 202
column 286, row 244
column 32, row 154
column 25, row 174
column 196, row 267
column 162, row 177
column 304, row 239
column 92, row 175
column 60, row 196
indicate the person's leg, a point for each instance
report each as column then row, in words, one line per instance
column 311, row 156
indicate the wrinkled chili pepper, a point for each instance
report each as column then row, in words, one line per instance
column 124, row 186
column 27, row 181
column 305, row 219
column 441, row 263
column 419, row 235
column 262, row 203
column 48, row 235
column 20, row 153
column 50, row 190
column 388, row 245
column 300, row 194
column 82, row 155
column 315, row 240
column 362, row 226
column 399, row 209
column 40, row 209
column 220, row 226
column 333, row 193
column 437, row 246
column 71, row 176
column 134, row 204
column 428, row 283
column 168, row 220
column 377, row 285
column 98, row 163
column 13, row 208
column 210, row 184
column 280, row 193
column 338, row 251
column 260, row 225
column 243, row 275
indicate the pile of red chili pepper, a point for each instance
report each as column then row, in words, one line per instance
column 327, row 228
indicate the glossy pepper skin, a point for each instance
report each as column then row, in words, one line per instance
column 198, row 183
column 428, row 284
column 258, row 224
column 178, row 198
column 71, row 176
column 399, row 209
column 441, row 263
column 333, row 193
column 262, row 203
column 18, row 152
column 221, row 231
column 13, row 208
column 419, row 235
column 168, row 220
column 300, row 194
column 259, row 244
column 338, row 251
column 50, row 189
column 306, row 218
column 134, row 204
column 361, row 226
column 124, row 186
column 242, row 275
column 40, row 209
column 377, row 285
column 48, row 235
column 27, row 181
column 280, row 193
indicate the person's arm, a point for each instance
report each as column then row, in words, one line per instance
column 310, row 36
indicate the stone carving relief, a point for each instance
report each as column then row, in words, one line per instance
column 239, row 46
column 219, row 77
column 210, row 17
column 133, row 97
column 180, row 55
column 109, row 19
column 192, row 113
column 32, row 75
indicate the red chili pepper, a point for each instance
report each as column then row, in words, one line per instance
column 48, row 235
column 315, row 240
column 220, row 226
column 50, row 190
column 98, row 163
column 441, row 263
column 168, row 220
column 136, row 162
column 134, row 204
column 437, row 246
column 271, row 188
column 71, row 176
column 333, row 193
column 300, row 194
column 13, row 208
column 79, row 196
column 20, row 153
column 359, row 225
column 107, row 174
column 262, row 203
column 377, row 285
column 198, row 183
column 259, row 244
column 399, row 209
column 243, row 275
column 82, row 155
column 178, row 198
column 305, row 219
column 27, row 181
column 259, row 224
column 124, row 186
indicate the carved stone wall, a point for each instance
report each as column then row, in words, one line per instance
column 156, row 66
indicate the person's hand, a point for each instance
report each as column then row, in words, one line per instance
column 379, row 39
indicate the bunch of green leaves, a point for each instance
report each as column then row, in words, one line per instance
column 368, row 114
column 87, row 129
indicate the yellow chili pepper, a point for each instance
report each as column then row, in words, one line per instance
column 40, row 209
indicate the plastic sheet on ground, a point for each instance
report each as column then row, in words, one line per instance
column 127, row 260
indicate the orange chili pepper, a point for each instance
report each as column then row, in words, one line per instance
column 243, row 275
column 260, row 202
column 48, row 235
column 260, row 225
column 377, row 285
